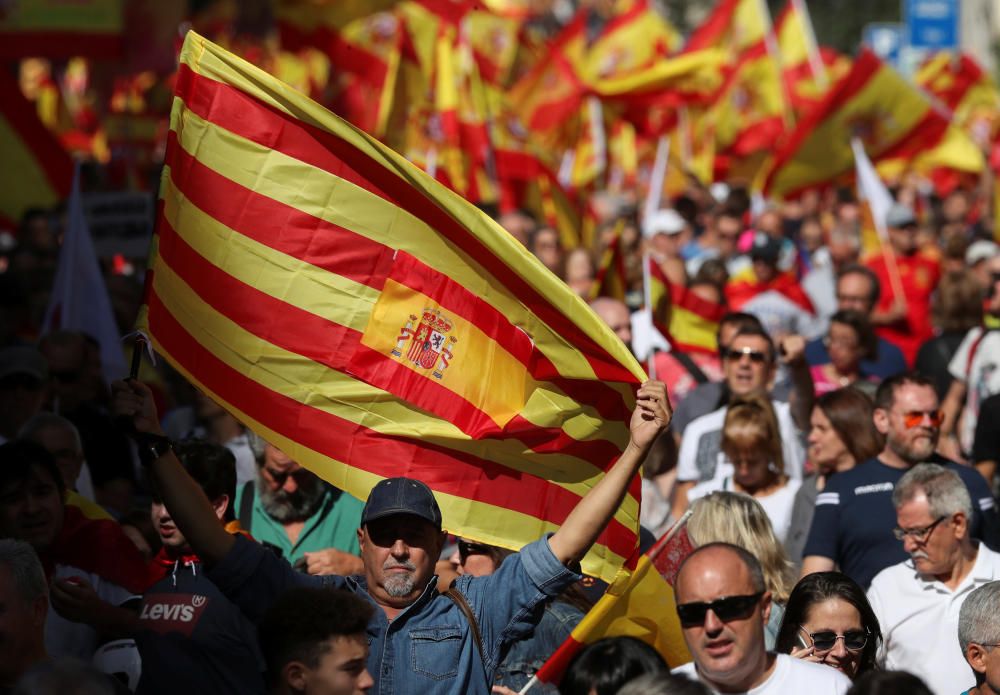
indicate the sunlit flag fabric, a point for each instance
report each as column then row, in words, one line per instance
column 895, row 121
column 370, row 322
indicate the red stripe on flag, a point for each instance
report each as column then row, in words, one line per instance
column 245, row 116
column 446, row 470
column 307, row 238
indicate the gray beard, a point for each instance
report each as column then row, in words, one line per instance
column 399, row 585
column 288, row 508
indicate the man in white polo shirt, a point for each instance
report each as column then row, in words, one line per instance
column 918, row 601
column 723, row 606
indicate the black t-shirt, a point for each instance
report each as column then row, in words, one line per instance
column 986, row 445
column 854, row 518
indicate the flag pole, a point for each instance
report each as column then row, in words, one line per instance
column 816, row 66
column 648, row 300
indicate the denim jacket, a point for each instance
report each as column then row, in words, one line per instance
column 527, row 655
column 429, row 648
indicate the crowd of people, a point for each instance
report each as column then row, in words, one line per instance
column 833, row 463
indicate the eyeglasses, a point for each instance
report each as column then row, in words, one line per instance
column 725, row 609
column 920, row 535
column 825, row 640
column 465, row 549
column 915, row 418
column 756, row 356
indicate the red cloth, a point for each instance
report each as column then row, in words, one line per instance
column 919, row 275
column 163, row 564
column 98, row 546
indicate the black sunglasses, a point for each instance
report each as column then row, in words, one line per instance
column 465, row 549
column 725, row 609
column 756, row 356
column 854, row 640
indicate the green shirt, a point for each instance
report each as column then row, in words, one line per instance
column 333, row 525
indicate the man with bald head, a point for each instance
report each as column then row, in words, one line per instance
column 723, row 606
column 616, row 315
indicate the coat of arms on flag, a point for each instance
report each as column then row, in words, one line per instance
column 429, row 343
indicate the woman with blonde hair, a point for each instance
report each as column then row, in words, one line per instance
column 728, row 517
column 751, row 441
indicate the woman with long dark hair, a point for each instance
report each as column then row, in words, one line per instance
column 828, row 620
column 841, row 435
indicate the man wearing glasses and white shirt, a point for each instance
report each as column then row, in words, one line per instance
column 851, row 529
column 748, row 364
column 918, row 601
column 723, row 605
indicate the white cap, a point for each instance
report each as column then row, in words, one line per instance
column 981, row 250
column 663, row 222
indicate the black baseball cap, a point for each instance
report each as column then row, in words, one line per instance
column 401, row 496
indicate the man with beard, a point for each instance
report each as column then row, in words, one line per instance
column 918, row 601
column 421, row 641
column 854, row 514
column 310, row 523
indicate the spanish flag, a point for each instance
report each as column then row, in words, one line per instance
column 688, row 322
column 370, row 322
column 895, row 121
column 37, row 171
column 959, row 83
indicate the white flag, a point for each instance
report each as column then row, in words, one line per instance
column 79, row 300
column 871, row 188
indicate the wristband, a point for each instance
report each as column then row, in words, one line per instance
column 152, row 447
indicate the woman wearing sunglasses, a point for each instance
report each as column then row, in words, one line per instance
column 828, row 620
column 751, row 440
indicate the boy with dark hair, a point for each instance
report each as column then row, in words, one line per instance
column 189, row 635
column 314, row 642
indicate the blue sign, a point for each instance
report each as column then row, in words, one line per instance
column 885, row 40
column 932, row 24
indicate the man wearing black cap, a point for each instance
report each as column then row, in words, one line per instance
column 420, row 640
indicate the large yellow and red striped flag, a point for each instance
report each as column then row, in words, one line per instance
column 895, row 121
column 687, row 321
column 959, row 83
column 372, row 323
column 36, row 171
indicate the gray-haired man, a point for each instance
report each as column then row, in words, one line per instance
column 24, row 603
column 979, row 635
column 917, row 601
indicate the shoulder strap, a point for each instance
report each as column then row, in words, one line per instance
column 463, row 605
column 689, row 364
column 974, row 348
column 246, row 506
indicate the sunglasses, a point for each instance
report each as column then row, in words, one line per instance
column 824, row 641
column 725, row 609
column 756, row 356
column 915, row 418
column 465, row 549
column 920, row 535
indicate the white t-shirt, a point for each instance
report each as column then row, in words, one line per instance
column 778, row 505
column 982, row 380
column 789, row 676
column 64, row 637
column 919, row 621
column 701, row 457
